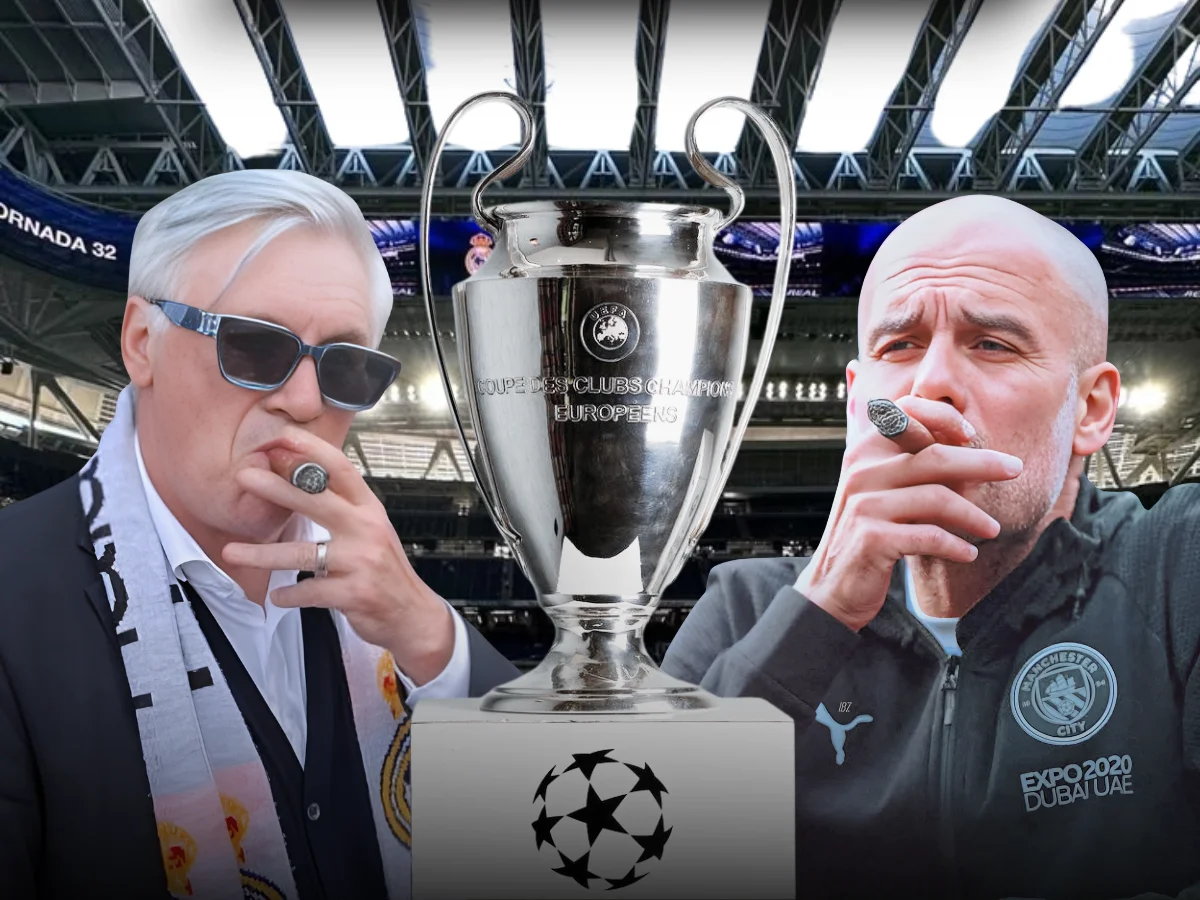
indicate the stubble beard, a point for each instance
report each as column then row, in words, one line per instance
column 1020, row 505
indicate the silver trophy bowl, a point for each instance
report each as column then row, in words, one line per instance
column 602, row 346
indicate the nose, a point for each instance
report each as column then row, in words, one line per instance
column 299, row 397
column 938, row 376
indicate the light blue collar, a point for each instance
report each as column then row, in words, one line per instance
column 942, row 629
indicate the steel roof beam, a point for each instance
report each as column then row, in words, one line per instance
column 268, row 29
column 529, row 63
column 788, row 64
column 761, row 202
column 651, row 41
column 37, row 155
column 33, row 94
column 404, row 44
column 185, row 120
column 39, row 28
column 905, row 115
column 66, row 87
column 1189, row 165
column 1057, row 55
column 1145, row 102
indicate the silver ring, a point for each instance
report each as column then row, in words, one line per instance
column 890, row 419
column 310, row 478
column 320, row 571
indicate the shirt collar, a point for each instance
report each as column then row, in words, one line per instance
column 910, row 598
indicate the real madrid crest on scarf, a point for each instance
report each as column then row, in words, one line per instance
column 395, row 787
column 1064, row 694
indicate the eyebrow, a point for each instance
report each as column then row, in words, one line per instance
column 988, row 321
column 347, row 337
column 342, row 337
column 892, row 325
column 1002, row 323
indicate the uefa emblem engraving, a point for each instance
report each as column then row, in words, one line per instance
column 610, row 331
column 1064, row 694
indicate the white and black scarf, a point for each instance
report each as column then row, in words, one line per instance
column 217, row 824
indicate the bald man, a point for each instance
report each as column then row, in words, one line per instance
column 993, row 667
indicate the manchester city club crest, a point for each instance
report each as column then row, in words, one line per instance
column 610, row 331
column 1064, row 694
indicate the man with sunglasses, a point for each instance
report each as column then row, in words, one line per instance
column 207, row 662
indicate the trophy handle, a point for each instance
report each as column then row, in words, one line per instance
column 781, row 154
column 492, row 223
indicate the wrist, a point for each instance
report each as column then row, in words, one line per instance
column 814, row 595
column 425, row 646
column 837, row 611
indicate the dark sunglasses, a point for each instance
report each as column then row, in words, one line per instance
column 261, row 356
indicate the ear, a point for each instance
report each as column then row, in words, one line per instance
column 135, row 341
column 1099, row 391
column 851, row 374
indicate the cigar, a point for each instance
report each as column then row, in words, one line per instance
column 310, row 478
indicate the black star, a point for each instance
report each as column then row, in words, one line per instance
column 541, row 791
column 542, row 826
column 576, row 868
column 653, row 844
column 598, row 814
column 587, row 762
column 629, row 879
column 648, row 781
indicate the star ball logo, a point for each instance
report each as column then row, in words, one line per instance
column 601, row 820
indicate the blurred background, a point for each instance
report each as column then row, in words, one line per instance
column 1085, row 110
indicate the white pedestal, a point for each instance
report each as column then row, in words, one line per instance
column 722, row 781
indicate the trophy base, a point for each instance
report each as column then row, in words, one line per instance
column 700, row 804
column 598, row 664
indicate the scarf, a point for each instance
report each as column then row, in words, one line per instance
column 217, row 826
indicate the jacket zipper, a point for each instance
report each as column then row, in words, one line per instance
column 949, row 689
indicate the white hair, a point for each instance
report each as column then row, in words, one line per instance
column 281, row 199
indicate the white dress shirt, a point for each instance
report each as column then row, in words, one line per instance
column 267, row 639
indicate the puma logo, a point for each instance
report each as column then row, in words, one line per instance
column 837, row 731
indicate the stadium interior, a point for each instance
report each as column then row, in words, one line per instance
column 1086, row 110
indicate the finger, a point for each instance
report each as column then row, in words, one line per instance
column 330, row 593
column 945, row 423
column 867, row 442
column 926, row 504
column 936, row 464
column 929, row 422
column 328, row 508
column 344, row 479
column 914, row 438
column 898, row 540
column 281, row 557
column 944, row 464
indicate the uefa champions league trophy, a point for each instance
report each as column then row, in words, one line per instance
column 602, row 344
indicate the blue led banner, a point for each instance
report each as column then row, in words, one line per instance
column 90, row 246
column 83, row 243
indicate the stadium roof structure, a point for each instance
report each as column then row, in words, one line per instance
column 1079, row 107
column 1083, row 109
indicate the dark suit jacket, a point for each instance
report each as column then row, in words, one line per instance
column 76, row 818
